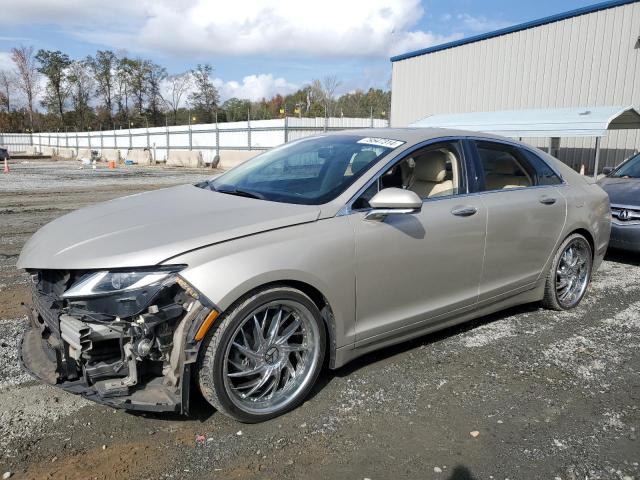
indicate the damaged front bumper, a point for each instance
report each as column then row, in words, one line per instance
column 109, row 363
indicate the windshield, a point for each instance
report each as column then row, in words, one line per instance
column 312, row 171
column 629, row 169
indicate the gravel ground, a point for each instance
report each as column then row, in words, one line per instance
column 525, row 393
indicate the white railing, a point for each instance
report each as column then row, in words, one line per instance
column 208, row 138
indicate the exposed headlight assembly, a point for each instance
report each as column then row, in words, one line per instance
column 120, row 293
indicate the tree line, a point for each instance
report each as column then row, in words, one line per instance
column 49, row 91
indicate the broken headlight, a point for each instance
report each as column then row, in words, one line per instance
column 120, row 293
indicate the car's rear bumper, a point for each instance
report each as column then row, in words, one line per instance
column 625, row 237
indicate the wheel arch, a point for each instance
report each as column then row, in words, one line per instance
column 316, row 296
column 586, row 234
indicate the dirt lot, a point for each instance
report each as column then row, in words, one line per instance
column 546, row 395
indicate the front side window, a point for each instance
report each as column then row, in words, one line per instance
column 431, row 172
column 312, row 171
column 508, row 167
column 629, row 169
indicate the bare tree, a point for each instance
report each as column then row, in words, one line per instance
column 28, row 75
column 176, row 86
column 7, row 83
column 329, row 86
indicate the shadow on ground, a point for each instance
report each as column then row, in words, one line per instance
column 621, row 256
column 388, row 352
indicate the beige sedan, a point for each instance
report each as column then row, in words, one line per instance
column 310, row 254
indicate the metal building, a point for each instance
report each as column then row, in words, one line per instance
column 581, row 58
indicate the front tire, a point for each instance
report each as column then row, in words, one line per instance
column 265, row 355
column 569, row 274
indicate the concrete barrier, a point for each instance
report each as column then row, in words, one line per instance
column 140, row 157
column 233, row 158
column 185, row 158
column 84, row 154
column 66, row 153
column 48, row 151
column 110, row 155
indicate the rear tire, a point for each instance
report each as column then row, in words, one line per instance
column 569, row 274
column 265, row 355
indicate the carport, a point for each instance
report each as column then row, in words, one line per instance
column 551, row 123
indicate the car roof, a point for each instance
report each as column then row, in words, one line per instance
column 416, row 135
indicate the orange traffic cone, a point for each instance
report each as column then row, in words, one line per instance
column 6, row 166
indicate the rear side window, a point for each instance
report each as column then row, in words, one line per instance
column 545, row 175
column 507, row 167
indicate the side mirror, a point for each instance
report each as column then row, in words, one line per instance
column 607, row 170
column 393, row 201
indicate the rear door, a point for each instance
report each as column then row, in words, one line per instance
column 526, row 215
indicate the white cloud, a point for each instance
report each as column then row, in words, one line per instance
column 336, row 28
column 5, row 61
column 254, row 87
column 480, row 23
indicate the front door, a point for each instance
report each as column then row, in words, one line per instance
column 416, row 268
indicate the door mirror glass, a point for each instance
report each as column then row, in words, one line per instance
column 393, row 201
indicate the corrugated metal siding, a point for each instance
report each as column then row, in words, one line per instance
column 588, row 60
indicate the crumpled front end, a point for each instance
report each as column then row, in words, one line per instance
column 115, row 350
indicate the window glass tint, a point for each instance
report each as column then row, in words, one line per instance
column 434, row 171
column 629, row 169
column 305, row 165
column 503, row 167
column 507, row 166
column 545, row 175
column 311, row 171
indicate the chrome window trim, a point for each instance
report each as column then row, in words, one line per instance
column 347, row 210
column 343, row 211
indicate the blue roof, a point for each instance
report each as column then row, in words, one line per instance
column 516, row 28
column 540, row 122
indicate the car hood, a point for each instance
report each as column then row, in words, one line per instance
column 149, row 228
column 622, row 191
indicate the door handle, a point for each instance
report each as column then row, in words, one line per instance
column 547, row 200
column 464, row 211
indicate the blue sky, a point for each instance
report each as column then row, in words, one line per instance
column 259, row 47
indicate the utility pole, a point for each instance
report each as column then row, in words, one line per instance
column 249, row 128
column 190, row 139
column 146, row 120
column 217, row 136
column 286, row 125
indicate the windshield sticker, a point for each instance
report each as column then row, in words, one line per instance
column 381, row 142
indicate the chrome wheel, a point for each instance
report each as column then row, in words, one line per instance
column 271, row 357
column 572, row 272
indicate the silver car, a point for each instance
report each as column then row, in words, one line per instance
column 623, row 186
column 310, row 254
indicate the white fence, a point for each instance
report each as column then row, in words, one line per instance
column 209, row 138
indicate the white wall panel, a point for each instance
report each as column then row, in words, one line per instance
column 263, row 134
